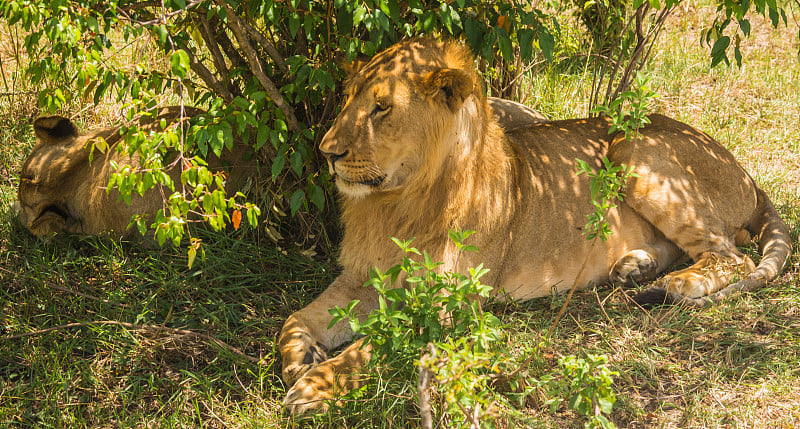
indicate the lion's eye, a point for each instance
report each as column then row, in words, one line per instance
column 380, row 107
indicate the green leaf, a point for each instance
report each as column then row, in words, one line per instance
column 718, row 50
column 277, row 166
column 745, row 26
column 296, row 161
column 525, row 37
column 474, row 32
column 344, row 17
column 318, row 196
column 505, row 47
column 191, row 253
column 296, row 200
column 547, row 42
column 180, row 63
column 262, row 136
column 294, row 24
column 161, row 32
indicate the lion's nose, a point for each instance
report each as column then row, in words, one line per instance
column 333, row 157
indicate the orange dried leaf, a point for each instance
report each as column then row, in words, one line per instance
column 236, row 219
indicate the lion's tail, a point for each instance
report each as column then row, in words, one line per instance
column 774, row 243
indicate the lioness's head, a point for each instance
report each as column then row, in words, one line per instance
column 403, row 108
column 56, row 169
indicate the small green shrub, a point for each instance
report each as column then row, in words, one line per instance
column 586, row 385
column 435, row 324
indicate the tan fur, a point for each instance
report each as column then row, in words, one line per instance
column 62, row 191
column 417, row 152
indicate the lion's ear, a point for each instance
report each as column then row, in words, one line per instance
column 452, row 86
column 54, row 129
column 352, row 67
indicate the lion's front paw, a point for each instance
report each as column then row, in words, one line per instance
column 299, row 358
column 636, row 266
column 330, row 379
column 312, row 392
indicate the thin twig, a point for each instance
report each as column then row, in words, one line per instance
column 161, row 18
column 135, row 327
column 66, row 289
column 86, row 295
column 15, row 93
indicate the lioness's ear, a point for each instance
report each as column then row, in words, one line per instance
column 54, row 129
column 452, row 85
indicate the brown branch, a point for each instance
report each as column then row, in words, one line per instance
column 208, row 77
column 642, row 51
column 86, row 295
column 15, row 93
column 134, row 327
column 255, row 65
column 424, row 388
column 207, row 33
column 161, row 19
column 268, row 46
column 227, row 45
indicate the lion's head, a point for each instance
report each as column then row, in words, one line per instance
column 397, row 105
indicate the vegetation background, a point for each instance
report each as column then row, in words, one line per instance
column 96, row 333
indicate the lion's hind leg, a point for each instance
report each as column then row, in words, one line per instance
column 693, row 191
column 695, row 284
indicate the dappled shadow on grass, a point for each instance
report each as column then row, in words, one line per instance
column 735, row 362
column 94, row 331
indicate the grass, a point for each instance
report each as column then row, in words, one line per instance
column 123, row 336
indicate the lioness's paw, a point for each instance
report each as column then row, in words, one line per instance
column 312, row 392
column 304, row 357
column 635, row 267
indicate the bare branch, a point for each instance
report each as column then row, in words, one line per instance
column 255, row 65
column 424, row 388
column 162, row 18
column 208, row 77
column 213, row 46
column 227, row 45
column 270, row 48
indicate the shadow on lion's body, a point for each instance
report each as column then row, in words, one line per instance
column 417, row 152
column 62, row 190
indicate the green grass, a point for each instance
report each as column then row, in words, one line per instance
column 158, row 345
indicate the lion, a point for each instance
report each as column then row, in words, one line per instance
column 416, row 152
column 64, row 180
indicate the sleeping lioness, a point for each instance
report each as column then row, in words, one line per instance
column 60, row 190
column 416, row 152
